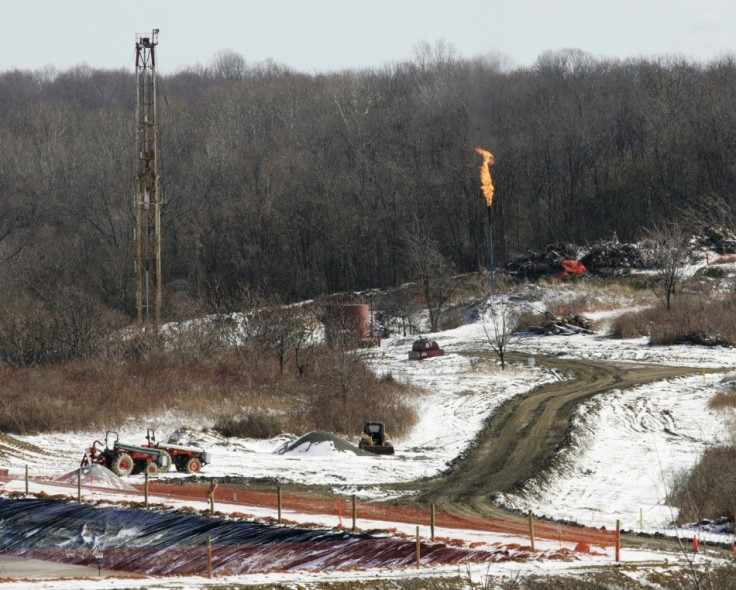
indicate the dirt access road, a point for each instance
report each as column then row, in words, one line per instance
column 520, row 439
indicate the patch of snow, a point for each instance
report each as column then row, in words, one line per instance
column 97, row 476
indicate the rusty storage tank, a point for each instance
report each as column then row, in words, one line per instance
column 349, row 324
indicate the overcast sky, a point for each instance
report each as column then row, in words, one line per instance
column 328, row 35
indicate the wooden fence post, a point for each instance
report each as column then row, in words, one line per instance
column 419, row 551
column 531, row 528
column 209, row 556
column 431, row 522
column 278, row 503
column 355, row 513
column 618, row 540
column 79, row 485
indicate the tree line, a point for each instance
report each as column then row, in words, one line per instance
column 300, row 184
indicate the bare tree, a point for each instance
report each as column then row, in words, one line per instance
column 228, row 65
column 433, row 270
column 396, row 309
column 286, row 331
column 671, row 249
column 500, row 320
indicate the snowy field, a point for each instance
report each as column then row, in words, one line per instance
column 626, row 445
column 456, row 396
column 626, row 448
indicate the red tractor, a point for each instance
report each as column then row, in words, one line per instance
column 187, row 459
column 124, row 459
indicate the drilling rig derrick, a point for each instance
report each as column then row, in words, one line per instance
column 148, row 196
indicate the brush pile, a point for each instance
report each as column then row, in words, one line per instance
column 719, row 239
column 563, row 325
column 614, row 258
column 543, row 264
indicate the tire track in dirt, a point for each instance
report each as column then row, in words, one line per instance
column 520, row 439
column 11, row 447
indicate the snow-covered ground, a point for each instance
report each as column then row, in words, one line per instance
column 456, row 396
column 626, row 445
column 627, row 448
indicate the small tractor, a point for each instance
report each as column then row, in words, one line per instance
column 187, row 459
column 124, row 459
column 374, row 439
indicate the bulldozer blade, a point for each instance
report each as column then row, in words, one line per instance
column 379, row 449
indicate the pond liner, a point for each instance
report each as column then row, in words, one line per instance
column 165, row 543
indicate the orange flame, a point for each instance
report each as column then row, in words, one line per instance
column 486, row 184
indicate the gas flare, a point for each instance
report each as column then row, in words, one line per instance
column 486, row 183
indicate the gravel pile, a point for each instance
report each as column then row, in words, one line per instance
column 304, row 444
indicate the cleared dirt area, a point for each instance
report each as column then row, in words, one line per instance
column 520, row 439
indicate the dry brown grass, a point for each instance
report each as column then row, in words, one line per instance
column 530, row 318
column 709, row 489
column 692, row 320
column 634, row 324
column 591, row 293
column 337, row 393
column 723, row 400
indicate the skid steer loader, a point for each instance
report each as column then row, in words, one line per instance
column 374, row 439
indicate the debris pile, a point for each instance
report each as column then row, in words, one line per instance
column 613, row 258
column 719, row 239
column 541, row 264
column 562, row 326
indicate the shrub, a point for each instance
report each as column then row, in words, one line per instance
column 709, row 489
column 343, row 394
column 255, row 424
column 338, row 393
column 631, row 325
column 529, row 318
column 691, row 320
column 723, row 399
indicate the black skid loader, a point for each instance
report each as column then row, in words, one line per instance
column 374, row 439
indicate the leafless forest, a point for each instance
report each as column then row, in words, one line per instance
column 297, row 184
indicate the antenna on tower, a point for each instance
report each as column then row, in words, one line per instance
column 147, row 201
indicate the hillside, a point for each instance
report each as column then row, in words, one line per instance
column 594, row 430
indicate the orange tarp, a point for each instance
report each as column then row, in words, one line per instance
column 572, row 267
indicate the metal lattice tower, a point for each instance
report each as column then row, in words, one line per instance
column 148, row 197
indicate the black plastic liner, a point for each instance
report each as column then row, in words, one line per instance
column 160, row 543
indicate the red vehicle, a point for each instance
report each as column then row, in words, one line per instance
column 424, row 349
column 187, row 459
column 124, row 459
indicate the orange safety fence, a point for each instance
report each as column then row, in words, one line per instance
column 391, row 513
column 240, row 497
